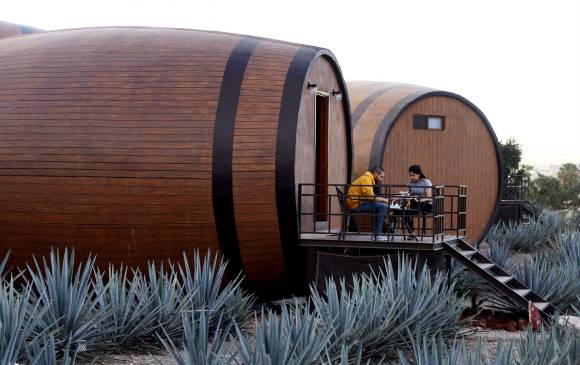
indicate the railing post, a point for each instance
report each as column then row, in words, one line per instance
column 299, row 209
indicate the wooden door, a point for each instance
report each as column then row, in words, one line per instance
column 321, row 174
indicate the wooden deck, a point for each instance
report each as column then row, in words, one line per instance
column 367, row 241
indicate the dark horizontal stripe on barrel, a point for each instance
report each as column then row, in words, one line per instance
column 223, row 140
column 364, row 105
column 285, row 161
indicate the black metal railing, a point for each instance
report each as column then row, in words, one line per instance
column 517, row 188
column 443, row 210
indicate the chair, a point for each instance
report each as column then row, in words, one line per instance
column 346, row 216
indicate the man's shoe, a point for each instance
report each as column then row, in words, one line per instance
column 382, row 237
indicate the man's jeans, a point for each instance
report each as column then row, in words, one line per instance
column 380, row 211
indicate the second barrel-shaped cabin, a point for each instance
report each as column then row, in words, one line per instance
column 9, row 29
column 398, row 125
column 138, row 144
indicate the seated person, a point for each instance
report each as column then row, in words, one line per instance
column 362, row 199
column 420, row 188
column 420, row 193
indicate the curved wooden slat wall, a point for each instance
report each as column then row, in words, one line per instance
column 141, row 143
column 465, row 152
column 9, row 29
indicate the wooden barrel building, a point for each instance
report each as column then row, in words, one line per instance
column 140, row 143
column 398, row 125
column 9, row 29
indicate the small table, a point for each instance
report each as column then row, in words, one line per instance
column 400, row 215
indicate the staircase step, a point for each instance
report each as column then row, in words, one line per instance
column 486, row 266
column 503, row 279
column 467, row 253
column 541, row 305
column 522, row 292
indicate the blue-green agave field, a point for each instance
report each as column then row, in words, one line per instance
column 61, row 311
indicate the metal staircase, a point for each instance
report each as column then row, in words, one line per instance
column 497, row 277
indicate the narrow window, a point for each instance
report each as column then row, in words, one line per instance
column 434, row 122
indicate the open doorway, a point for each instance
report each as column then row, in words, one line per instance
column 321, row 189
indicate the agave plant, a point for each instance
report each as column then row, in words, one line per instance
column 48, row 352
column 359, row 315
column 556, row 282
column 553, row 346
column 199, row 346
column 378, row 310
column 18, row 318
column 527, row 237
column 67, row 299
column 435, row 351
column 293, row 337
column 567, row 248
column 205, row 281
column 434, row 303
column 498, row 253
column 130, row 318
column 168, row 299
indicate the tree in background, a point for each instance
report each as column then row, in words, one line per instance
column 515, row 173
column 569, row 177
column 560, row 191
column 557, row 192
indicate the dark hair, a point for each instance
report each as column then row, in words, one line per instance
column 416, row 169
column 377, row 169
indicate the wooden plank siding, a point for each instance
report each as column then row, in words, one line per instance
column 108, row 140
column 465, row 152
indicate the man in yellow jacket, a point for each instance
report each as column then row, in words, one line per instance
column 361, row 198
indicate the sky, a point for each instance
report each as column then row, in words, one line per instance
column 518, row 61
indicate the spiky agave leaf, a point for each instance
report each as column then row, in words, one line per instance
column 434, row 350
column 527, row 237
column 67, row 298
column 498, row 253
column 3, row 263
column 168, row 300
column 554, row 345
column 199, row 346
column 206, row 280
column 293, row 337
column 358, row 315
column 48, row 352
column 18, row 318
column 130, row 319
column 556, row 282
column 430, row 305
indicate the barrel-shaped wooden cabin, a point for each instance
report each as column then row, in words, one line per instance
column 137, row 144
column 9, row 29
column 398, row 125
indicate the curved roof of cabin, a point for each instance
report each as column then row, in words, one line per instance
column 391, row 99
column 9, row 29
